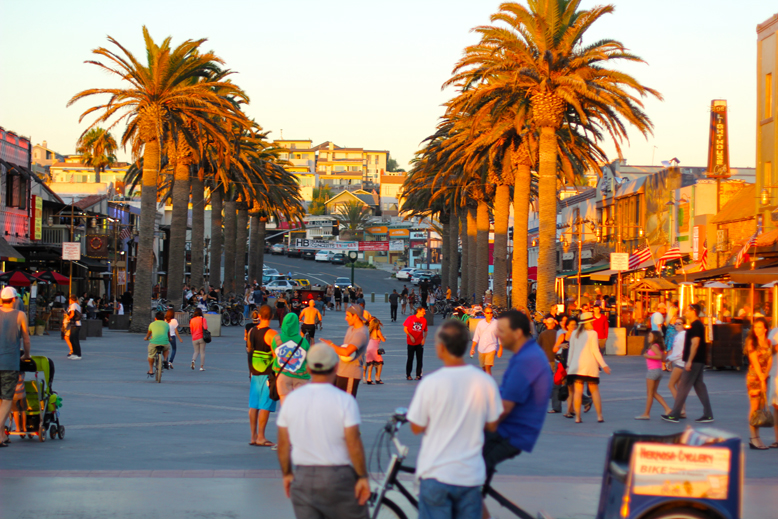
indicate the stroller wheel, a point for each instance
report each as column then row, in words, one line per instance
column 61, row 432
column 53, row 432
column 42, row 431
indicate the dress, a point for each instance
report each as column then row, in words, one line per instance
column 372, row 358
column 763, row 354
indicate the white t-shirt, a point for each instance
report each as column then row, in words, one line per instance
column 120, row 309
column 657, row 320
column 75, row 306
column 173, row 327
column 486, row 336
column 316, row 416
column 454, row 404
column 676, row 355
column 773, row 336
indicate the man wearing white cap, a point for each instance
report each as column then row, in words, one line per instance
column 318, row 435
column 13, row 326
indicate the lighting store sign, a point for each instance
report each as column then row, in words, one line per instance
column 718, row 143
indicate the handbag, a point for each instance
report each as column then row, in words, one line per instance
column 206, row 336
column 381, row 351
column 560, row 374
column 761, row 417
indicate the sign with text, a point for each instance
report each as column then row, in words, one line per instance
column 37, row 218
column 121, row 279
column 378, row 229
column 418, row 235
column 399, row 233
column 374, row 245
column 620, row 261
column 696, row 243
column 718, row 143
column 680, row 471
column 396, row 246
column 71, row 250
column 326, row 245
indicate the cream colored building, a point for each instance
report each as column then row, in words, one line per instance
column 391, row 193
column 334, row 159
column 302, row 162
column 766, row 116
column 72, row 178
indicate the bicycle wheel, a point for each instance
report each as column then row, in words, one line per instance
column 235, row 319
column 158, row 367
column 225, row 318
column 388, row 509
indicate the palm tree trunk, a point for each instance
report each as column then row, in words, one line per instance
column 260, row 257
column 215, row 269
column 521, row 196
column 482, row 250
column 230, row 215
column 547, row 197
column 255, row 273
column 198, row 232
column 472, row 256
column 241, row 237
column 453, row 251
column 465, row 267
column 177, row 256
column 502, row 209
column 445, row 260
column 144, row 262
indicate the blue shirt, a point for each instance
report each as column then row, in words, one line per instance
column 526, row 383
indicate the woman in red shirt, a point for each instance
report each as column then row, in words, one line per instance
column 196, row 325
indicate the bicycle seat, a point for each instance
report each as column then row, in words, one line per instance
column 160, row 348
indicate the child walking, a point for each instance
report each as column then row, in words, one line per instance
column 655, row 356
column 19, row 405
column 373, row 356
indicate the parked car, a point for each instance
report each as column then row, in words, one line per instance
column 342, row 282
column 338, row 259
column 269, row 272
column 419, row 272
column 280, row 284
column 309, row 254
column 324, row 255
column 278, row 249
column 293, row 252
column 405, row 274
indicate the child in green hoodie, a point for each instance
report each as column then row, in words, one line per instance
column 295, row 374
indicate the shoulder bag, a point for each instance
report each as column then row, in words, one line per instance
column 761, row 417
column 206, row 331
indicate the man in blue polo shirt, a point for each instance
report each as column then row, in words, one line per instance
column 525, row 390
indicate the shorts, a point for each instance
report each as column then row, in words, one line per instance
column 286, row 384
column 486, row 359
column 8, row 381
column 259, row 394
column 654, row 374
column 153, row 349
column 584, row 378
column 308, row 329
column 497, row 449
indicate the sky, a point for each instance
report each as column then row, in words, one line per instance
column 369, row 74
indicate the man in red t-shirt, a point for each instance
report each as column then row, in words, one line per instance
column 415, row 327
column 601, row 327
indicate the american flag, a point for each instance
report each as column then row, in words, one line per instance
column 704, row 257
column 639, row 257
column 743, row 256
column 673, row 253
column 126, row 234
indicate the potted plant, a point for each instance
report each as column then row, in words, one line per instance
column 40, row 326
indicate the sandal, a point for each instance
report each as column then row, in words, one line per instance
column 773, row 445
column 369, row 382
column 567, row 415
column 266, row 443
column 379, row 381
column 408, row 378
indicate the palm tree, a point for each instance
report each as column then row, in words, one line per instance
column 353, row 216
column 97, row 148
column 319, row 199
column 163, row 96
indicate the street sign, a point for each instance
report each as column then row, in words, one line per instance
column 620, row 261
column 71, row 250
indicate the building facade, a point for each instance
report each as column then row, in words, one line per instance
column 766, row 115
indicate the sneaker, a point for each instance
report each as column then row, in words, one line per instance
column 70, row 355
column 670, row 418
column 704, row 419
column 75, row 357
column 169, row 365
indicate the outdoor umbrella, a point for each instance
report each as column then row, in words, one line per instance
column 52, row 277
column 17, row 278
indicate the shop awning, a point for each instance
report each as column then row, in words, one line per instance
column 90, row 264
column 759, row 276
column 8, row 253
column 728, row 270
column 604, row 275
column 584, row 271
column 653, row 285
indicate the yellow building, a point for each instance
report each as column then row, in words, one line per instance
column 302, row 162
column 766, row 116
column 368, row 164
column 72, row 178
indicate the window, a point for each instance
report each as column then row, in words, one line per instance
column 339, row 168
column 376, row 160
column 16, row 191
column 298, row 156
column 768, row 96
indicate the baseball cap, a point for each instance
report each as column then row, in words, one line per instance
column 321, row 357
column 356, row 310
column 8, row 293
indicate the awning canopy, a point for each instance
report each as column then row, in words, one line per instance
column 90, row 264
column 653, row 285
column 8, row 253
column 604, row 275
column 584, row 271
column 728, row 270
column 759, row 276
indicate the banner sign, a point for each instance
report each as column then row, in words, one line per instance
column 397, row 246
column 37, row 218
column 416, row 235
column 680, row 471
column 374, row 245
column 718, row 143
column 326, row 245
column 620, row 261
column 378, row 229
column 399, row 233
column 97, row 246
column 122, row 277
column 71, row 250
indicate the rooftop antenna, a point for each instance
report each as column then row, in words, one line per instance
column 282, row 134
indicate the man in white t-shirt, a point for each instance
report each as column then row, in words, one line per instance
column 485, row 338
column 452, row 407
column 318, row 434
column 658, row 317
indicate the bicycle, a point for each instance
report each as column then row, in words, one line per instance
column 159, row 363
column 382, row 507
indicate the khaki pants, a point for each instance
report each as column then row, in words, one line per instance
column 286, row 384
column 199, row 349
column 602, row 342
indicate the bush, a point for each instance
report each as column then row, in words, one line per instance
column 363, row 265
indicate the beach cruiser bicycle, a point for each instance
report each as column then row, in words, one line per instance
column 159, row 363
column 694, row 474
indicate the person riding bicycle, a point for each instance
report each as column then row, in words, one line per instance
column 159, row 333
column 525, row 390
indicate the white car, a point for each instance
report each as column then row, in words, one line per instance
column 405, row 274
column 324, row 255
column 279, row 285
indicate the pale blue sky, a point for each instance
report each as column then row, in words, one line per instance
column 363, row 73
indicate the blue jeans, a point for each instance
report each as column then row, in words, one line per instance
column 442, row 501
column 172, row 348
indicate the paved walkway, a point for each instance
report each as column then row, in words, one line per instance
column 135, row 448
